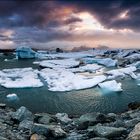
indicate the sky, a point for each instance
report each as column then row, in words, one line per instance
column 70, row 24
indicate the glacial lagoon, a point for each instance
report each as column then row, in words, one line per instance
column 72, row 102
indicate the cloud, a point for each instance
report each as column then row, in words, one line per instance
column 43, row 22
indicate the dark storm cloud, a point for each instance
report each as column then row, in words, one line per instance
column 17, row 13
column 107, row 11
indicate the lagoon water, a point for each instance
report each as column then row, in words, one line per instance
column 73, row 102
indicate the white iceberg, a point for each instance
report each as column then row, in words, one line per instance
column 25, row 52
column 20, row 78
column 87, row 68
column 108, row 62
column 64, row 63
column 125, row 53
column 135, row 56
column 67, row 55
column 122, row 72
column 12, row 97
column 111, row 86
column 64, row 80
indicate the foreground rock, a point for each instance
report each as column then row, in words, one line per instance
column 109, row 132
column 22, row 114
column 135, row 134
column 24, row 125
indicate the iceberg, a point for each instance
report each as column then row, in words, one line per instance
column 66, row 55
column 12, row 97
column 136, row 64
column 125, row 53
column 122, row 72
column 20, row 78
column 64, row 80
column 111, row 86
column 64, row 63
column 108, row 62
column 87, row 68
column 135, row 56
column 25, row 52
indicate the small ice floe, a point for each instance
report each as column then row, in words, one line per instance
column 12, row 97
column 108, row 62
column 136, row 64
column 64, row 63
column 5, row 60
column 111, row 86
column 112, row 74
column 124, row 53
column 135, row 56
column 87, row 68
column 64, row 80
column 67, row 55
column 36, row 62
column 20, row 78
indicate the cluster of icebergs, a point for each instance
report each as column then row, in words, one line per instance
column 62, row 72
column 64, row 80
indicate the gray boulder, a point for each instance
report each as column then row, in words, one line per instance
column 47, row 130
column 108, row 132
column 40, row 129
column 98, row 138
column 89, row 117
column 22, row 114
column 47, row 119
column 25, row 125
column 2, row 138
column 63, row 118
column 132, row 123
column 57, row 131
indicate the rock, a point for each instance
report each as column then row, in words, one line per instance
column 108, row 132
column 25, row 124
column 63, row 118
column 40, row 129
column 2, row 138
column 132, row 123
column 37, row 137
column 90, row 117
column 82, row 125
column 47, row 130
column 57, row 131
column 135, row 114
column 2, row 105
column 135, row 134
column 112, row 115
column 98, row 138
column 118, row 123
column 22, row 114
column 46, row 119
column 102, row 118
column 76, row 136
column 3, row 126
column 134, row 105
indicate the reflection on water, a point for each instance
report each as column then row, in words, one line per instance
column 73, row 102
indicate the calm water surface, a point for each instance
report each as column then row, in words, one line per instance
column 73, row 102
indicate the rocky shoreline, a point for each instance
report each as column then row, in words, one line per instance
column 21, row 124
